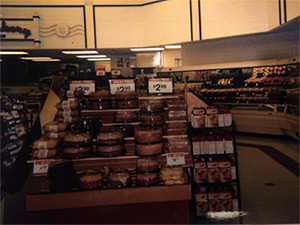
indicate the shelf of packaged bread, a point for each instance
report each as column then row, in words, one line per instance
column 109, row 197
column 126, row 162
column 160, row 97
column 91, row 111
column 121, row 124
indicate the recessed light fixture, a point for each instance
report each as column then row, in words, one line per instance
column 12, row 53
column 79, row 52
column 91, row 56
column 173, row 46
column 99, row 59
column 35, row 58
column 146, row 49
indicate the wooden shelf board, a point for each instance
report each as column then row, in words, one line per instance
column 52, row 201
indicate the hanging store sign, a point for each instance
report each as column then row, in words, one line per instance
column 19, row 29
column 121, row 85
column 160, row 85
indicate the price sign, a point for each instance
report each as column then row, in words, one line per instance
column 40, row 166
column 160, row 85
column 121, row 85
column 175, row 159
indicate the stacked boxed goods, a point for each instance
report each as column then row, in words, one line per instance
column 68, row 111
column 149, row 141
column 44, row 148
column 211, row 117
column 176, row 123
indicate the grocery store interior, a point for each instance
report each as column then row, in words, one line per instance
column 150, row 111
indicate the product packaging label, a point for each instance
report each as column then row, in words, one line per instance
column 175, row 159
column 228, row 146
column 40, row 166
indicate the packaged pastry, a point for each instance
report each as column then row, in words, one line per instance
column 200, row 172
column 75, row 152
column 126, row 100
column 147, row 179
column 225, row 170
column 151, row 119
column 126, row 116
column 110, row 137
column 177, row 115
column 152, row 105
column 55, row 127
column 77, row 139
column 55, row 135
column 119, row 179
column 213, row 171
column 90, row 179
column 147, row 164
column 172, row 175
column 149, row 149
column 44, row 153
column 109, row 150
column 148, row 135
column 177, row 145
column 45, row 143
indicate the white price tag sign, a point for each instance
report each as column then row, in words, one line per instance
column 121, row 85
column 160, row 85
column 40, row 166
column 175, row 159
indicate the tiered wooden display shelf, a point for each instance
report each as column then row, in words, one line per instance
column 154, row 204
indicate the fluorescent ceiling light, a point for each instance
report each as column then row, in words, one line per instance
column 35, row 58
column 173, row 46
column 46, row 60
column 79, row 52
column 146, row 49
column 91, row 56
column 12, row 53
column 99, row 59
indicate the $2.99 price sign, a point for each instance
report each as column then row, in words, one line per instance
column 120, row 86
column 160, row 85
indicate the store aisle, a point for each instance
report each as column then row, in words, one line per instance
column 269, row 190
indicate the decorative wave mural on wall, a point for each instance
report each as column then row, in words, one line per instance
column 61, row 30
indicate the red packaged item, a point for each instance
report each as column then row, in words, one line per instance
column 213, row 171
column 177, row 115
column 200, row 172
column 225, row 170
column 177, row 145
column 201, row 201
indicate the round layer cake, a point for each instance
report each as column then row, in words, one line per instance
column 125, row 116
column 147, row 164
column 151, row 119
column 55, row 126
column 126, row 100
column 152, row 105
column 149, row 149
column 147, row 179
column 76, row 152
column 81, row 139
column 90, row 180
column 109, row 150
column 45, row 143
column 56, row 135
column 146, row 135
column 119, row 179
column 110, row 137
column 43, row 153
